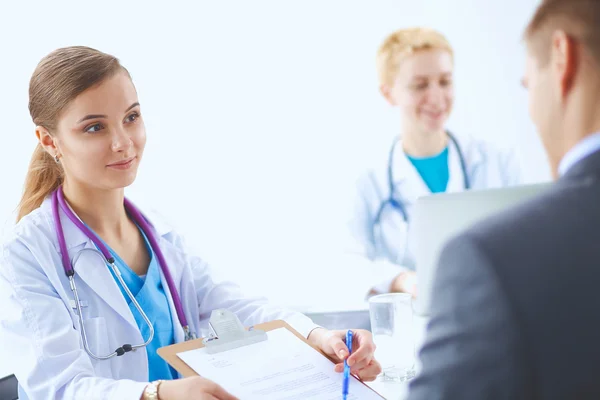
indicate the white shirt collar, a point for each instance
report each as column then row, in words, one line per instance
column 584, row 148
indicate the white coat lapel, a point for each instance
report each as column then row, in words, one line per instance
column 175, row 264
column 473, row 161
column 176, row 261
column 91, row 268
column 456, row 181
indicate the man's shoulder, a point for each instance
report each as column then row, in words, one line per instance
column 536, row 218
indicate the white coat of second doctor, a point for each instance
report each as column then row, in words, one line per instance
column 40, row 327
column 389, row 248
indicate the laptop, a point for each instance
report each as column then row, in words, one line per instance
column 336, row 320
column 439, row 217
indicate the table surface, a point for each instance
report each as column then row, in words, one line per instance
column 389, row 390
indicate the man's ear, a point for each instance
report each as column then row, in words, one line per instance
column 564, row 57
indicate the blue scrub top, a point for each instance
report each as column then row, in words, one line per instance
column 434, row 170
column 150, row 294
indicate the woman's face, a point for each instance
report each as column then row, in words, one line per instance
column 423, row 90
column 100, row 135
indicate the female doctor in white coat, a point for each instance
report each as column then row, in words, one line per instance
column 415, row 68
column 82, row 252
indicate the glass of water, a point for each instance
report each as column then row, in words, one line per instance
column 392, row 327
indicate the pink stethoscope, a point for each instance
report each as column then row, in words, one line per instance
column 58, row 200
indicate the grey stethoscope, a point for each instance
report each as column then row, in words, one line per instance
column 58, row 200
column 397, row 204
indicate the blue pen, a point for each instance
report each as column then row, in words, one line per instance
column 346, row 367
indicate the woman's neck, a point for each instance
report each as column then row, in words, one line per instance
column 102, row 210
column 424, row 144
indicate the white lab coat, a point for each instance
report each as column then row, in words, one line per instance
column 486, row 166
column 39, row 327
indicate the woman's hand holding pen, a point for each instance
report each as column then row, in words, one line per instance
column 362, row 361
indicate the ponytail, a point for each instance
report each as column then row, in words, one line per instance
column 43, row 177
column 58, row 79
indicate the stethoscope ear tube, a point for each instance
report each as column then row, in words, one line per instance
column 376, row 230
column 59, row 201
column 126, row 347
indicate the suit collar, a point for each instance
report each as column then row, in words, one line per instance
column 586, row 166
column 588, row 145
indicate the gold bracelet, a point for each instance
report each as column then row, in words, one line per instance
column 151, row 391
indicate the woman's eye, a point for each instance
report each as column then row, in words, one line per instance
column 93, row 128
column 132, row 117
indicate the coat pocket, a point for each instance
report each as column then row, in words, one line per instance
column 96, row 333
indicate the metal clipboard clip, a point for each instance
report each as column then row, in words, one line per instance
column 228, row 333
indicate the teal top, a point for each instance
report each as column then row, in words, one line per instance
column 433, row 170
column 150, row 294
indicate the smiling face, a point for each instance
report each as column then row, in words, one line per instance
column 423, row 90
column 100, row 136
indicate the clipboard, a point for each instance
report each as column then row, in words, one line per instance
column 226, row 324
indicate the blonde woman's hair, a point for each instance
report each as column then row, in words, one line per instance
column 58, row 79
column 403, row 43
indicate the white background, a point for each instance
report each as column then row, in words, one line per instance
column 261, row 114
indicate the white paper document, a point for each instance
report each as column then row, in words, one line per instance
column 280, row 368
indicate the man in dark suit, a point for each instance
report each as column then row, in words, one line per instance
column 516, row 303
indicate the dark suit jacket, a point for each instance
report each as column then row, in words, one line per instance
column 516, row 303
